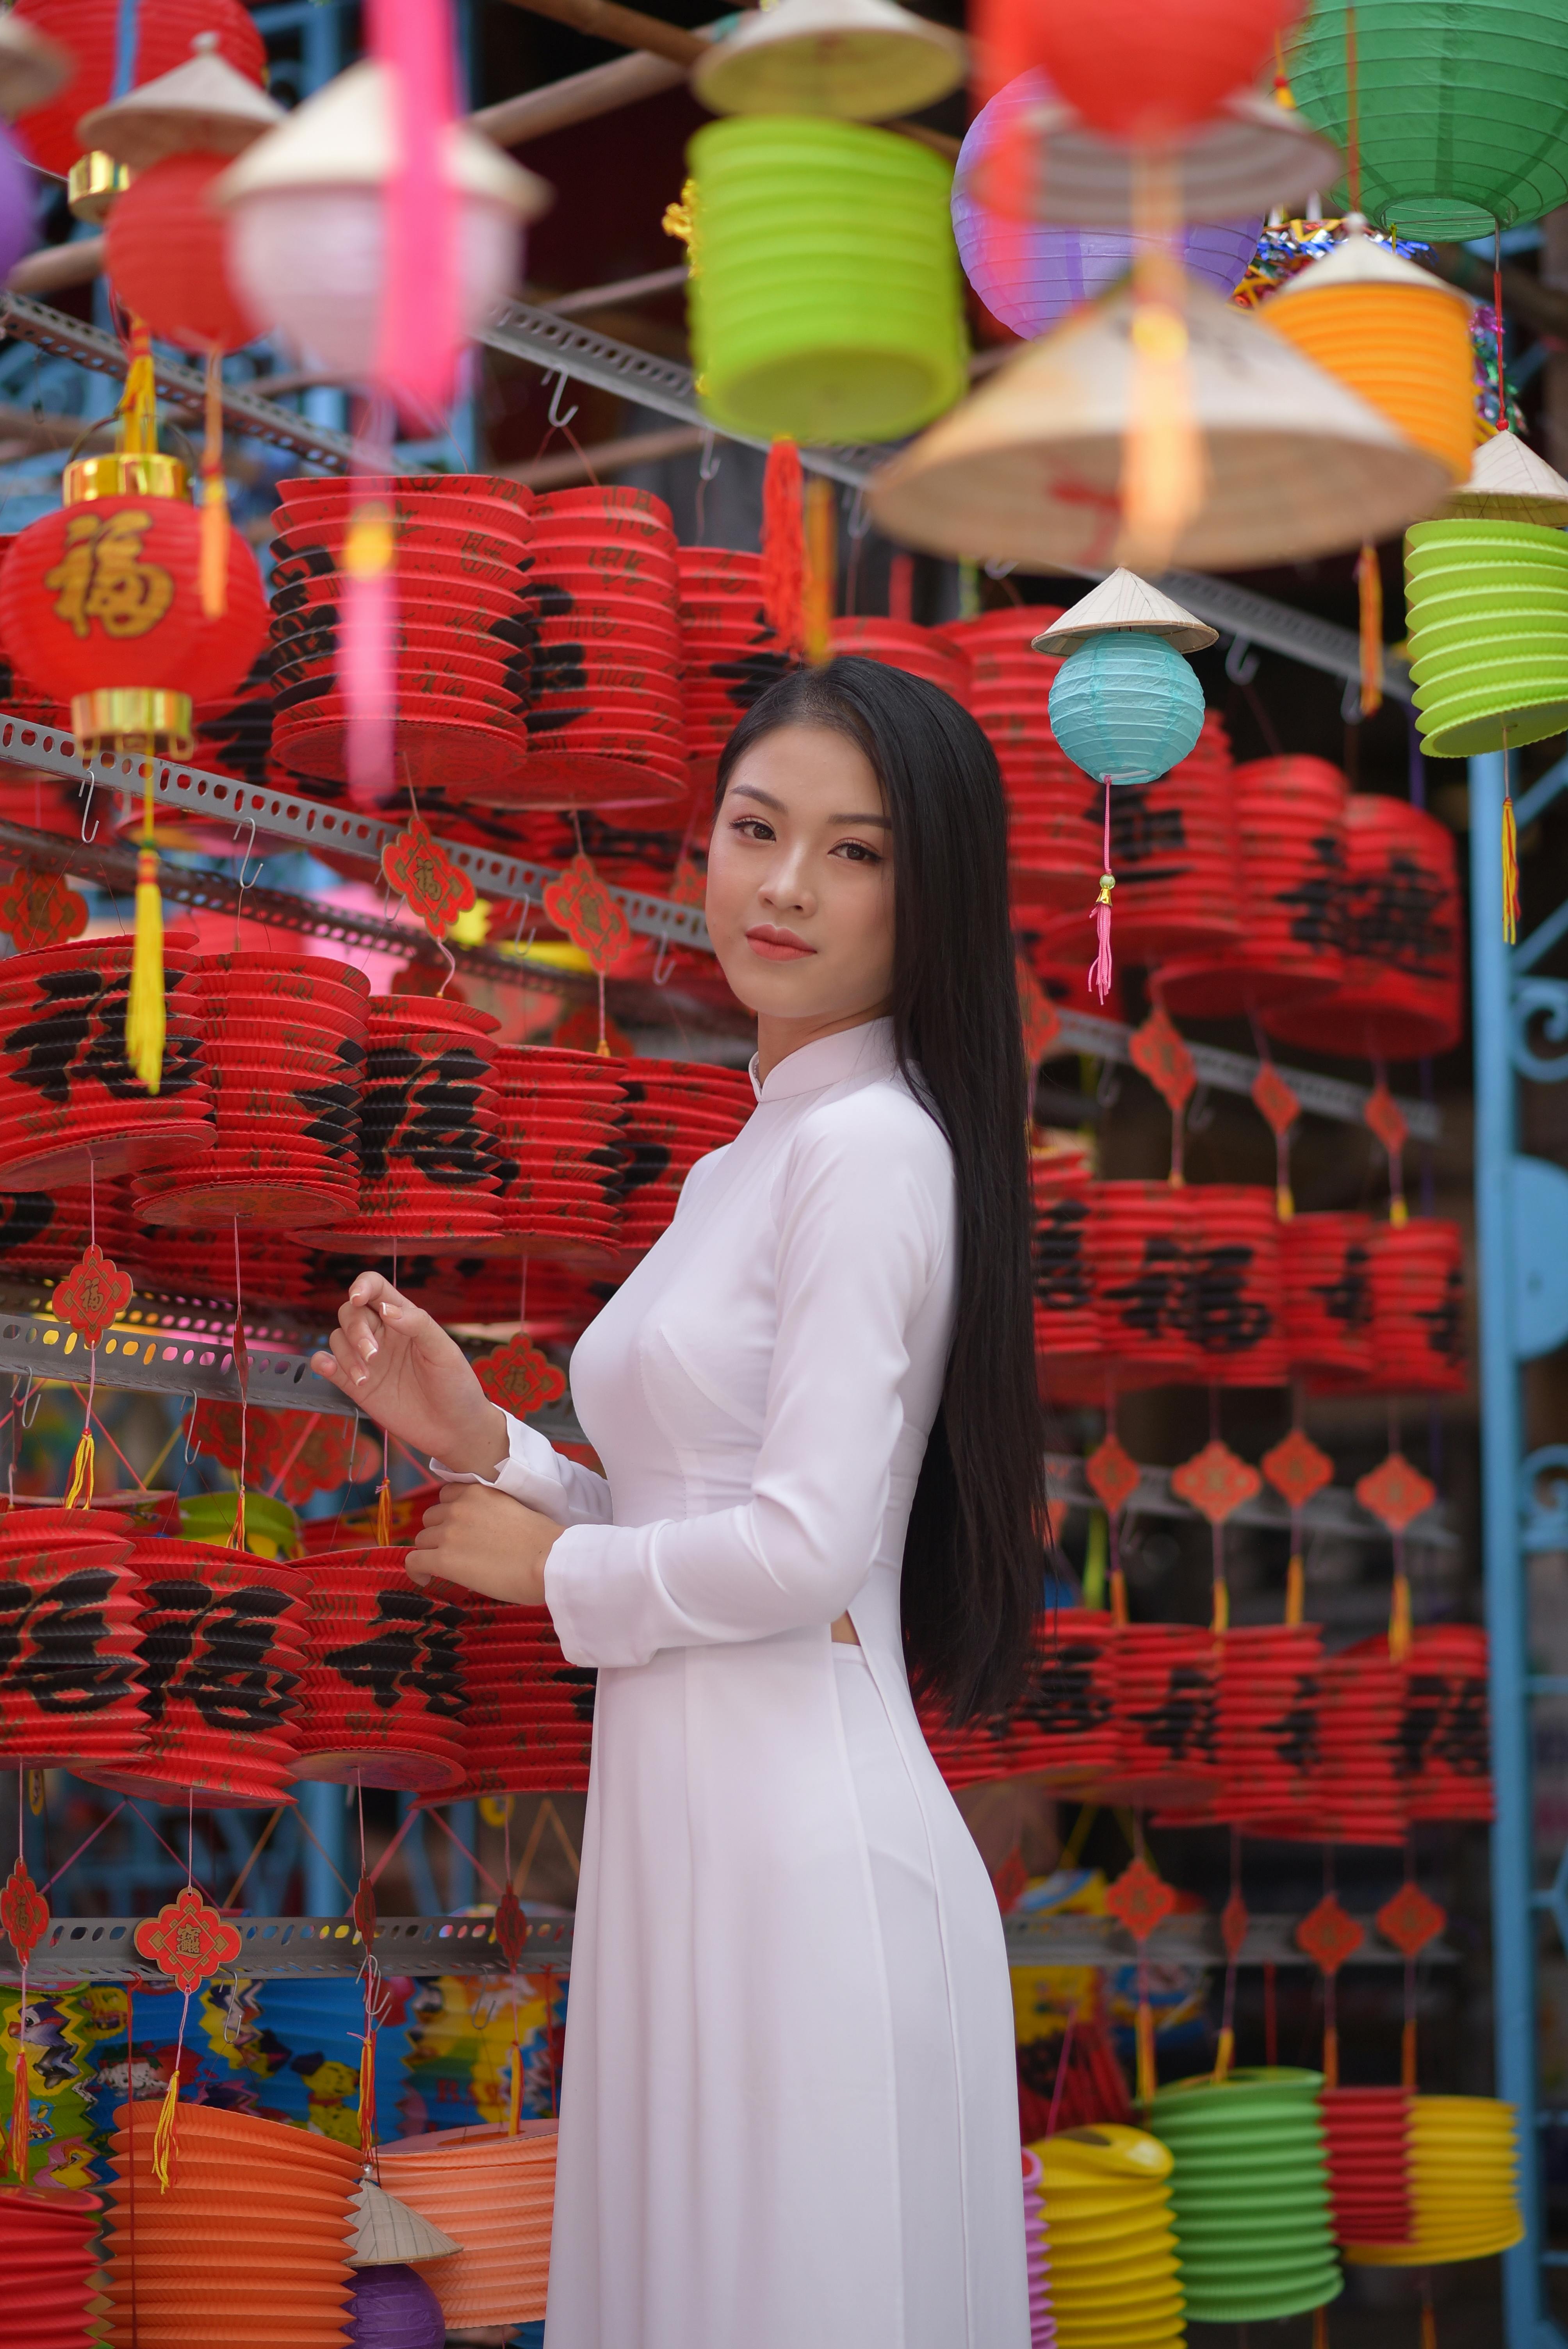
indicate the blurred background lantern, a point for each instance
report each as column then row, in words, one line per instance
column 1487, row 617
column 1137, row 69
column 858, row 59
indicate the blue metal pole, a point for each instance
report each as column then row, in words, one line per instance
column 323, row 1811
column 1502, row 1449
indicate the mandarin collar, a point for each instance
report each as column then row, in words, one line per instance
column 864, row 1052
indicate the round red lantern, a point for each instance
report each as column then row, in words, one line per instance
column 166, row 257
column 99, row 607
column 89, row 30
column 227, row 645
column 1142, row 70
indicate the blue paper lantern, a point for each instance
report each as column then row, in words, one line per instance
column 1126, row 707
column 394, row 2308
column 1029, row 274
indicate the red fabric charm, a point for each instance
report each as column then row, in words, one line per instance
column 1395, row 1493
column 1276, row 1099
column 1157, row 1050
column 24, row 1912
column 1140, row 1900
column 1233, row 1924
column 1215, row 1482
column 364, row 1910
column 510, row 1928
column 1411, row 1921
column 1042, row 1021
column 1385, row 1117
column 518, row 1377
column 188, row 1940
column 1297, row 1469
column 1112, row 1473
column 39, row 910
column 578, row 903
column 92, row 1294
column 689, row 887
column 1328, row 1935
column 426, row 878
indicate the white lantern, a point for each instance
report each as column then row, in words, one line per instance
column 307, row 221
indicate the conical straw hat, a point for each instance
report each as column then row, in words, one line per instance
column 1029, row 466
column 1252, row 154
column 1125, row 603
column 32, row 67
column 861, row 60
column 1358, row 260
column 386, row 2233
column 1509, row 482
column 203, row 104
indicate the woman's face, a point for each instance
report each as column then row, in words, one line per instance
column 800, row 880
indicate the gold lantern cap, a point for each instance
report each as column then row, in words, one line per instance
column 345, row 137
column 1509, row 482
column 1359, row 260
column 860, row 61
column 387, row 2233
column 123, row 473
column 1250, row 155
column 92, row 185
column 32, row 67
column 1125, row 604
column 1029, row 467
column 203, row 105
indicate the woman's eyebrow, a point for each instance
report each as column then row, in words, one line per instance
column 885, row 820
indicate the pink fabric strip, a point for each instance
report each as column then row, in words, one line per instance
column 419, row 331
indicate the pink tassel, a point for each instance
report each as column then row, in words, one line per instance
column 420, row 331
column 1100, row 969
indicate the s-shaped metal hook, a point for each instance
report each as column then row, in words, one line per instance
column 553, row 418
column 247, row 878
column 88, row 809
column 1242, row 661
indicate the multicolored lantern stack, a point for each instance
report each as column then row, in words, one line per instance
column 729, row 651
column 460, row 675
column 677, row 1111
column 527, row 1717
column 283, row 1045
column 382, row 1699
column 929, row 653
column 72, row 1637
column 1462, row 2168
column 563, row 1115
column 430, row 1167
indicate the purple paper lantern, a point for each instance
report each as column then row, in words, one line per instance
column 18, row 229
column 394, row 2308
column 1028, row 274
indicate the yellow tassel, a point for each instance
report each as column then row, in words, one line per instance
column 384, row 1515
column 138, row 401
column 1224, row 2056
column 166, row 2134
column 1428, row 2327
column 214, row 548
column 1399, row 1211
column 237, row 1537
column 1146, row 2074
column 144, row 1015
column 19, row 2136
column 1220, row 1620
column 84, row 1467
column 1510, row 874
column 367, row 2089
column 1399, row 1619
column 1369, row 588
column 1285, row 1202
column 821, row 584
column 1295, row 1591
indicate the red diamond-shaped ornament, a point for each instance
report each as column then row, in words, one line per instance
column 578, row 903
column 1112, row 1473
column 23, row 1911
column 1042, row 1020
column 39, row 910
column 1386, row 1120
column 1328, row 1935
column 518, row 1377
column 1233, row 1924
column 91, row 1293
column 1409, row 1921
column 510, row 1928
column 1215, row 1482
column 364, row 1910
column 1297, row 1469
column 426, row 878
column 1276, row 1099
column 1395, row 1493
column 1140, row 1900
column 1157, row 1050
column 188, row 1939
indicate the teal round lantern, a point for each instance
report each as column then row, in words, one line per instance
column 1462, row 108
column 1126, row 707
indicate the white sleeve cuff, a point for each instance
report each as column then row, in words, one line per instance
column 534, row 1473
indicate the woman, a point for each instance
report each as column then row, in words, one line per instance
column 789, row 2115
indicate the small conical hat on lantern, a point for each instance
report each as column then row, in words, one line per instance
column 32, row 67
column 860, row 60
column 389, row 2234
column 1249, row 156
column 343, row 138
column 203, row 106
column 1029, row 468
column 1509, row 482
column 1125, row 604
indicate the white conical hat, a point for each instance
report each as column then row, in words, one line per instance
column 1247, row 157
column 345, row 137
column 32, row 67
column 388, row 2234
column 1358, row 260
column 1509, row 482
column 1125, row 604
column 861, row 60
column 203, row 104
column 1029, row 468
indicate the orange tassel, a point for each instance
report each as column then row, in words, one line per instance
column 367, row 2088
column 1320, row 2328
column 80, row 1491
column 1399, row 1619
column 165, row 2136
column 214, row 542
column 783, row 545
column 237, row 1537
column 821, row 589
column 1221, row 1619
column 1510, row 874
column 1369, row 588
column 384, row 1515
column 1147, row 2078
column 1295, row 1591
column 1429, row 2325
column 1119, row 1599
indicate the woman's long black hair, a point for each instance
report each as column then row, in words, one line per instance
column 973, row 1557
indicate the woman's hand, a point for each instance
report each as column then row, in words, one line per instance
column 402, row 1370
column 486, row 1542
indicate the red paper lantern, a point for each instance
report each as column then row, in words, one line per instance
column 1143, row 70
column 1053, row 836
column 167, row 256
column 1445, row 1742
column 89, row 30
column 1328, row 1268
column 1234, row 1291
column 905, row 644
column 1366, row 2141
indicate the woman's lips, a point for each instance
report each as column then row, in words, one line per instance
column 777, row 946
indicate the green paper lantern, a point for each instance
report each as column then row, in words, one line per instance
column 825, row 297
column 1249, row 2189
column 1461, row 108
column 1485, row 607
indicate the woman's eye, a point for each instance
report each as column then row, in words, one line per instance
column 857, row 851
column 753, row 827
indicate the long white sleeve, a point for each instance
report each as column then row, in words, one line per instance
column 535, row 1472
column 865, row 1225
